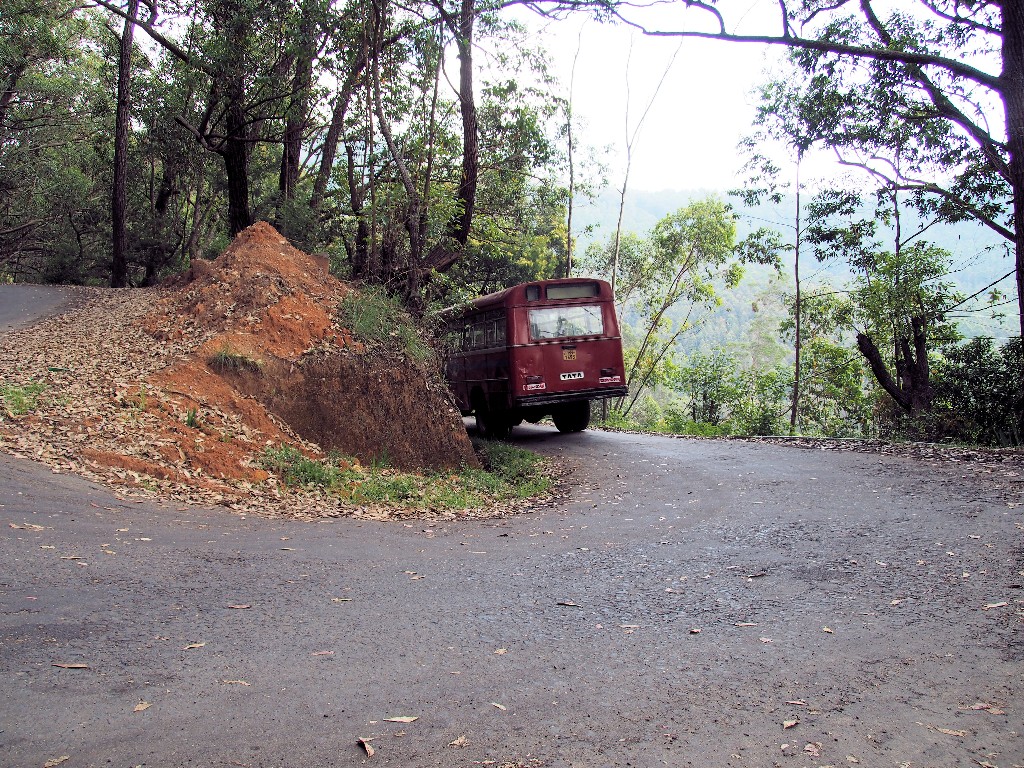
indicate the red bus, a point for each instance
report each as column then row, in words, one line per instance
column 546, row 348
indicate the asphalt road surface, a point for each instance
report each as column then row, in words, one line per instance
column 843, row 592
column 693, row 603
column 21, row 304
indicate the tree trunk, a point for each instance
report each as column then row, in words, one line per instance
column 235, row 152
column 1012, row 87
column 794, row 414
column 911, row 389
column 119, row 194
column 467, row 102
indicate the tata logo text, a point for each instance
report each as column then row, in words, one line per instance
column 571, row 376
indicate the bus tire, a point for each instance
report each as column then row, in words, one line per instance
column 572, row 417
column 492, row 425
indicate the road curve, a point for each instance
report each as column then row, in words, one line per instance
column 692, row 603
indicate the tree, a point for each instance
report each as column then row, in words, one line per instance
column 665, row 281
column 948, row 66
column 899, row 296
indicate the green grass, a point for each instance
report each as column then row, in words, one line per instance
column 227, row 359
column 19, row 400
column 379, row 320
column 510, row 473
column 192, row 418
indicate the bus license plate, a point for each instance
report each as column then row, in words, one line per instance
column 571, row 376
column 568, row 354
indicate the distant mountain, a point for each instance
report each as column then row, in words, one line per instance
column 980, row 257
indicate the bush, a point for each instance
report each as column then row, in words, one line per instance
column 980, row 394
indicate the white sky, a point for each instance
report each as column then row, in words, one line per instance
column 705, row 106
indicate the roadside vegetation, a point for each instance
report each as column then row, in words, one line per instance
column 508, row 474
column 18, row 400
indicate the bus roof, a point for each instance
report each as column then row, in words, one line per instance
column 516, row 295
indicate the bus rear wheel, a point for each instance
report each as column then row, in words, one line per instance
column 572, row 417
column 492, row 425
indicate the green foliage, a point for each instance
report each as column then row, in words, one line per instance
column 20, row 399
column 980, row 393
column 712, row 385
column 192, row 418
column 666, row 283
column 379, row 320
column 511, row 473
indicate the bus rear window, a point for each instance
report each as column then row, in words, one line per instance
column 564, row 322
column 574, row 291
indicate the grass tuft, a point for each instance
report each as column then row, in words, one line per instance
column 19, row 400
column 379, row 320
column 227, row 359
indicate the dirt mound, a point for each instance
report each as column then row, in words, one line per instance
column 183, row 388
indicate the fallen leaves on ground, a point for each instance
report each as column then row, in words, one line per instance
column 365, row 744
column 142, row 706
column 240, row 606
column 983, row 706
column 787, row 724
column 235, row 682
column 56, row 761
column 401, row 719
column 190, row 646
column 462, row 741
column 64, row 665
column 502, row 707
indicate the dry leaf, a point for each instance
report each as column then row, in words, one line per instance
column 27, row 527
column 995, row 605
column 240, row 607
column 70, row 666
column 501, row 652
column 142, row 706
column 322, row 653
column 402, row 719
column 744, row 624
column 787, row 724
column 190, row 646
column 365, row 743
column 459, row 742
column 568, row 603
column 813, row 749
column 983, row 706
column 234, row 682
column 341, row 599
column 695, row 630
column 56, row 761
column 765, row 639
column 76, row 557
column 828, row 630
column 951, row 732
column 797, row 702
column 502, row 707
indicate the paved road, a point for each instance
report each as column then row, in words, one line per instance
column 689, row 600
column 21, row 304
